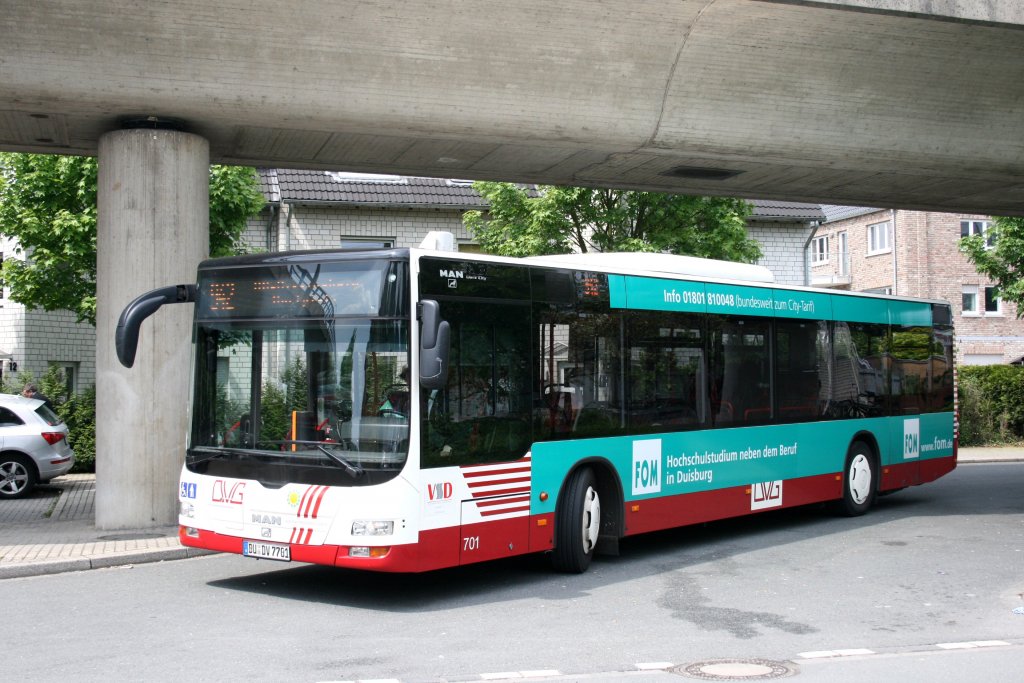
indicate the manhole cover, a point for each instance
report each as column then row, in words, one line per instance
column 736, row 670
column 129, row 537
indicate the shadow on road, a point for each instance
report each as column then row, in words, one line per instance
column 972, row 491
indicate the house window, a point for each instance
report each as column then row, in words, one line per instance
column 971, row 228
column 819, row 250
column 879, row 240
column 70, row 373
column 993, row 305
column 366, row 243
column 970, row 300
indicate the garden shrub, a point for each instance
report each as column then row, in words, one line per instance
column 991, row 404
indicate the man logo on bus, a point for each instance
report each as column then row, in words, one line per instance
column 646, row 466
column 911, row 438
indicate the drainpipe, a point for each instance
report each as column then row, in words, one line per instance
column 893, row 251
column 807, row 264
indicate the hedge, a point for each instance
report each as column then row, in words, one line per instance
column 991, row 404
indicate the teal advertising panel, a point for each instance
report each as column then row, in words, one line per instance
column 857, row 309
column 740, row 300
column 910, row 314
column 676, row 463
column 655, row 294
column 803, row 305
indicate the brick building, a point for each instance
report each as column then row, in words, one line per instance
column 325, row 209
column 915, row 253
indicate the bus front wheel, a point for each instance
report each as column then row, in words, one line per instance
column 578, row 523
column 859, row 480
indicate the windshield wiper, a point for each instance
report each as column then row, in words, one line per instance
column 214, row 452
column 354, row 471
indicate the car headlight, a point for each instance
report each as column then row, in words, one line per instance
column 373, row 527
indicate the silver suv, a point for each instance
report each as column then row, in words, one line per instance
column 33, row 445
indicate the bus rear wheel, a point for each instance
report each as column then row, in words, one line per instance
column 578, row 523
column 859, row 480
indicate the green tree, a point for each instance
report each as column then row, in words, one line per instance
column 999, row 254
column 558, row 220
column 48, row 204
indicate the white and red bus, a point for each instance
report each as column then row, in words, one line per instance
column 407, row 409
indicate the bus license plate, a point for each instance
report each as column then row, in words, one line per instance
column 267, row 551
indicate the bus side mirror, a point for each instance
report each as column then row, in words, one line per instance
column 126, row 336
column 435, row 344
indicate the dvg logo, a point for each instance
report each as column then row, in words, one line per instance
column 911, row 438
column 646, row 466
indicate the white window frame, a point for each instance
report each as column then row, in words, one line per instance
column 843, row 252
column 969, row 290
column 819, row 250
column 971, row 227
column 880, row 238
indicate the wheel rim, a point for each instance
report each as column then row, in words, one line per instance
column 860, row 478
column 13, row 477
column 591, row 519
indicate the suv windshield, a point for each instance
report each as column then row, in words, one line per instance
column 291, row 394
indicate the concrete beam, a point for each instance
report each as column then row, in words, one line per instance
column 973, row 11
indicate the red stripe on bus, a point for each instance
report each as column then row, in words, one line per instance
column 525, row 509
column 502, row 501
column 501, row 492
column 496, row 482
column 319, row 500
column 491, row 473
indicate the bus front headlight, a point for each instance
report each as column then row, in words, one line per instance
column 373, row 527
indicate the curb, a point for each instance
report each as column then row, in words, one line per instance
column 24, row 569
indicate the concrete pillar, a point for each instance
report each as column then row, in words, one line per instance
column 153, row 229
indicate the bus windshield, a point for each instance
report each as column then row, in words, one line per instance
column 315, row 398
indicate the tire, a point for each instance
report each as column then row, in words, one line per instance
column 860, row 480
column 577, row 523
column 17, row 476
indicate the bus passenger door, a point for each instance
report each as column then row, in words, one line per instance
column 480, row 422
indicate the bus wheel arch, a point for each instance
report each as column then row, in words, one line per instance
column 588, row 517
column 860, row 476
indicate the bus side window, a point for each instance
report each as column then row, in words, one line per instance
column 578, row 376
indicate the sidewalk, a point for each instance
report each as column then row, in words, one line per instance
column 53, row 530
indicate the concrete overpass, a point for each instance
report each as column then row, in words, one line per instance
column 908, row 103
column 904, row 103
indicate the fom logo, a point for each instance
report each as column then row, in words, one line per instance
column 224, row 493
column 911, row 438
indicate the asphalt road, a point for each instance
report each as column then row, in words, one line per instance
column 927, row 567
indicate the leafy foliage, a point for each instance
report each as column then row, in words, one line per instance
column 991, row 404
column 1003, row 262
column 48, row 204
column 559, row 220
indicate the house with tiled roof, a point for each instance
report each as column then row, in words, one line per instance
column 327, row 209
column 915, row 253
